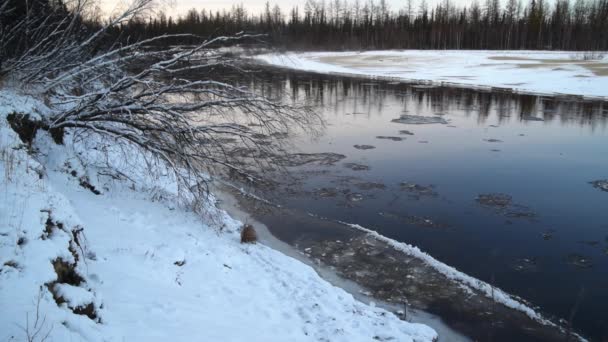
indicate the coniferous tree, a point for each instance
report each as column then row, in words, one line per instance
column 372, row 24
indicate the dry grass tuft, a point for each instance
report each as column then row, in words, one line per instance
column 248, row 234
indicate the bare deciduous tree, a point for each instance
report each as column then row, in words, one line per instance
column 142, row 97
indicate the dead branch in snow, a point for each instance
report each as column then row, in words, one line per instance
column 37, row 331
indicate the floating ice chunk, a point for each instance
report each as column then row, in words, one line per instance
column 420, row 120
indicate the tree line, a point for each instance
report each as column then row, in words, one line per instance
column 354, row 24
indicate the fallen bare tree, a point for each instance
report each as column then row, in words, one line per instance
column 146, row 99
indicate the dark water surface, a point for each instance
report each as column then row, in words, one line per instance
column 548, row 246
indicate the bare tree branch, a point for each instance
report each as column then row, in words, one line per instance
column 146, row 98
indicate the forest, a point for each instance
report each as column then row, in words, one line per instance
column 358, row 25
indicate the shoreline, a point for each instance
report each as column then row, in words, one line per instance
column 229, row 202
column 298, row 61
column 373, row 270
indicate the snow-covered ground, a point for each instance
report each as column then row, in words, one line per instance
column 131, row 264
column 547, row 72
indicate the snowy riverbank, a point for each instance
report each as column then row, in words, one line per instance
column 91, row 253
column 546, row 72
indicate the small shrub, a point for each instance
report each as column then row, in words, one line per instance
column 248, row 234
column 25, row 127
column 8, row 157
column 588, row 56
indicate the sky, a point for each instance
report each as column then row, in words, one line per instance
column 174, row 7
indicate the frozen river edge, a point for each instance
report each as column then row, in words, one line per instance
column 402, row 277
column 554, row 73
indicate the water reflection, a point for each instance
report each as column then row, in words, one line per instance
column 548, row 246
column 333, row 92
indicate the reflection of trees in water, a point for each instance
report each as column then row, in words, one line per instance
column 365, row 96
column 527, row 107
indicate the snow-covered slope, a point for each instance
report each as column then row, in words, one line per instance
column 528, row 71
column 131, row 264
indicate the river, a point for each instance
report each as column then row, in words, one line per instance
column 498, row 185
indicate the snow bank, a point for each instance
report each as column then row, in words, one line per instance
column 133, row 265
column 526, row 71
column 465, row 280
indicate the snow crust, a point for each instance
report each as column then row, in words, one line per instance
column 468, row 283
column 152, row 269
column 546, row 72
